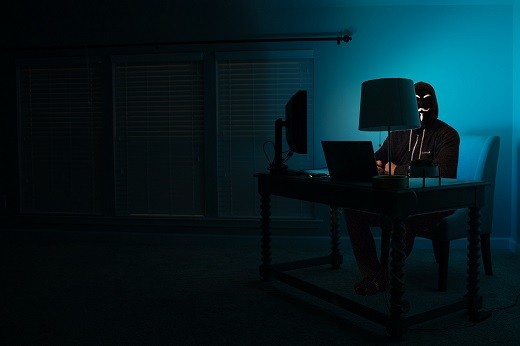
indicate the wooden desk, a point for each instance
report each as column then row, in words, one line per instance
column 395, row 205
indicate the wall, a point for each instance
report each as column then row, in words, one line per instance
column 515, row 184
column 465, row 51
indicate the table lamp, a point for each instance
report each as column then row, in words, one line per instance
column 388, row 104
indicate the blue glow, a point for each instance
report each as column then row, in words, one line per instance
column 465, row 52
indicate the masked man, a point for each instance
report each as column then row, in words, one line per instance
column 435, row 141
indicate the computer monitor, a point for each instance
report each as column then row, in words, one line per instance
column 295, row 124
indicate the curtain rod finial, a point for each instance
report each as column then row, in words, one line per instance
column 346, row 38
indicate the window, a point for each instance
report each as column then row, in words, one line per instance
column 159, row 114
column 252, row 92
column 146, row 134
column 61, row 137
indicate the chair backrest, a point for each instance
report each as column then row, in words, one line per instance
column 478, row 160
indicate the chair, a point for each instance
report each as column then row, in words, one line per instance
column 478, row 158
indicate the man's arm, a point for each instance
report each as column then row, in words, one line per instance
column 447, row 154
column 381, row 154
column 381, row 157
column 383, row 166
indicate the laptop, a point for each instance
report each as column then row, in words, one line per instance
column 350, row 160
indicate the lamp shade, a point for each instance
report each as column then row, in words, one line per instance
column 388, row 104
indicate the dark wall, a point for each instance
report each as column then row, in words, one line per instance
column 98, row 22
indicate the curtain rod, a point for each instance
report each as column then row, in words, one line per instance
column 338, row 39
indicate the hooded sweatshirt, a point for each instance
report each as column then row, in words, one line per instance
column 434, row 140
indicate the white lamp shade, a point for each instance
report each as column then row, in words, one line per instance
column 388, row 104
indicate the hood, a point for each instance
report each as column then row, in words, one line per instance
column 426, row 103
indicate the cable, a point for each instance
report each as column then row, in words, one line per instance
column 289, row 153
column 507, row 306
column 472, row 324
column 288, row 156
column 265, row 154
column 407, row 307
column 445, row 328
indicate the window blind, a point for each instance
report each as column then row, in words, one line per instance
column 61, row 138
column 159, row 108
column 252, row 94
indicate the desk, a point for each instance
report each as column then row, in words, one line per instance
column 395, row 205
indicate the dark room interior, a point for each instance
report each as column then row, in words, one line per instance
column 132, row 135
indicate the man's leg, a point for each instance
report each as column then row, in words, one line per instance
column 420, row 223
column 362, row 240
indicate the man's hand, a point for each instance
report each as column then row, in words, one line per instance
column 390, row 167
column 385, row 168
column 380, row 167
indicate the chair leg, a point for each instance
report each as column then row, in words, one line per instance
column 443, row 259
column 435, row 245
column 485, row 243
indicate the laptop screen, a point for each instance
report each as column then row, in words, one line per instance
column 350, row 160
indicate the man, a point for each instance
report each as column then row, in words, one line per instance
column 434, row 140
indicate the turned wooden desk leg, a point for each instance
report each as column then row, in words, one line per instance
column 336, row 259
column 265, row 225
column 398, row 306
column 386, row 234
column 474, row 300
